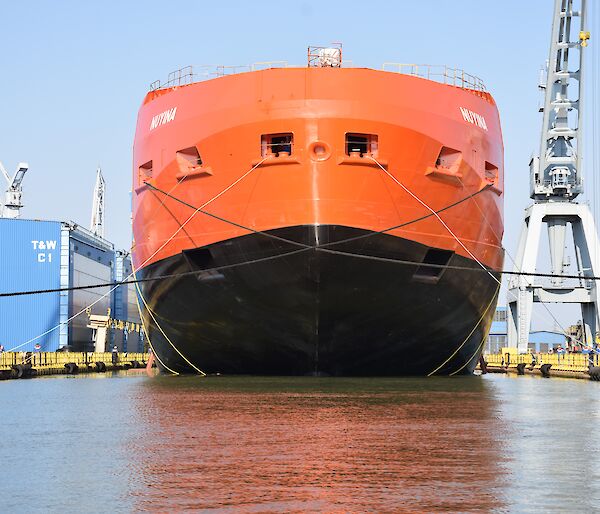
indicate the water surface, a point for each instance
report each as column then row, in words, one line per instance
column 131, row 443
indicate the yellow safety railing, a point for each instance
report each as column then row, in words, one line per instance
column 59, row 359
column 559, row 361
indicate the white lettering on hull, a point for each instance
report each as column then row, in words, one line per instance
column 474, row 118
column 163, row 117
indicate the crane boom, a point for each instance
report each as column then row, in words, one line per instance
column 556, row 174
column 97, row 221
column 14, row 192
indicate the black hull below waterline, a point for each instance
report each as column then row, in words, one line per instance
column 316, row 312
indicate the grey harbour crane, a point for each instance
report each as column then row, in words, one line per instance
column 14, row 192
column 556, row 181
column 97, row 219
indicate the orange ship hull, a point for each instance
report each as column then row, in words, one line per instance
column 310, row 220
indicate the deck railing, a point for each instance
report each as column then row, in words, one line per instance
column 438, row 73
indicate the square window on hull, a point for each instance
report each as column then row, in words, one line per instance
column 145, row 171
column 278, row 145
column 491, row 172
column 359, row 145
column 199, row 258
column 448, row 159
column 190, row 156
column 437, row 260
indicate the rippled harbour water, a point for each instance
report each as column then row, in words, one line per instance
column 131, row 443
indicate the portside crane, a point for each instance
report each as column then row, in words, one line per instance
column 556, row 181
column 14, row 192
column 97, row 220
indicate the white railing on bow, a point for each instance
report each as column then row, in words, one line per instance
column 438, row 73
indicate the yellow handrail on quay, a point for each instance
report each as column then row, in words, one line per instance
column 41, row 360
column 576, row 362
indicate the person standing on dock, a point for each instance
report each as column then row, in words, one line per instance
column 595, row 355
column 115, row 355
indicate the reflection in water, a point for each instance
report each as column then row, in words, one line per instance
column 133, row 443
column 312, row 444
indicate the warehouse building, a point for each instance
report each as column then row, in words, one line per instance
column 41, row 255
column 539, row 340
column 125, row 307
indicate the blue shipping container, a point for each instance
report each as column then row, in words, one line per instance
column 29, row 260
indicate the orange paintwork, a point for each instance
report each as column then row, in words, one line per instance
column 224, row 119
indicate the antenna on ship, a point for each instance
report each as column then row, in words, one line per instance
column 556, row 181
column 14, row 192
column 97, row 221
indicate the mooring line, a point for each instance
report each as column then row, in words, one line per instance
column 147, row 332
column 321, row 245
column 141, row 295
column 230, row 222
column 67, row 321
column 472, row 356
column 468, row 336
column 436, row 215
column 519, row 272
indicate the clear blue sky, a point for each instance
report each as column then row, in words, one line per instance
column 74, row 74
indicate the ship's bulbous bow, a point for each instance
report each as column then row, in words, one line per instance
column 349, row 306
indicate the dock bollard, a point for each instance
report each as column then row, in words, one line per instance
column 545, row 370
column 594, row 372
column 521, row 368
column 23, row 370
column 72, row 368
column 482, row 365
